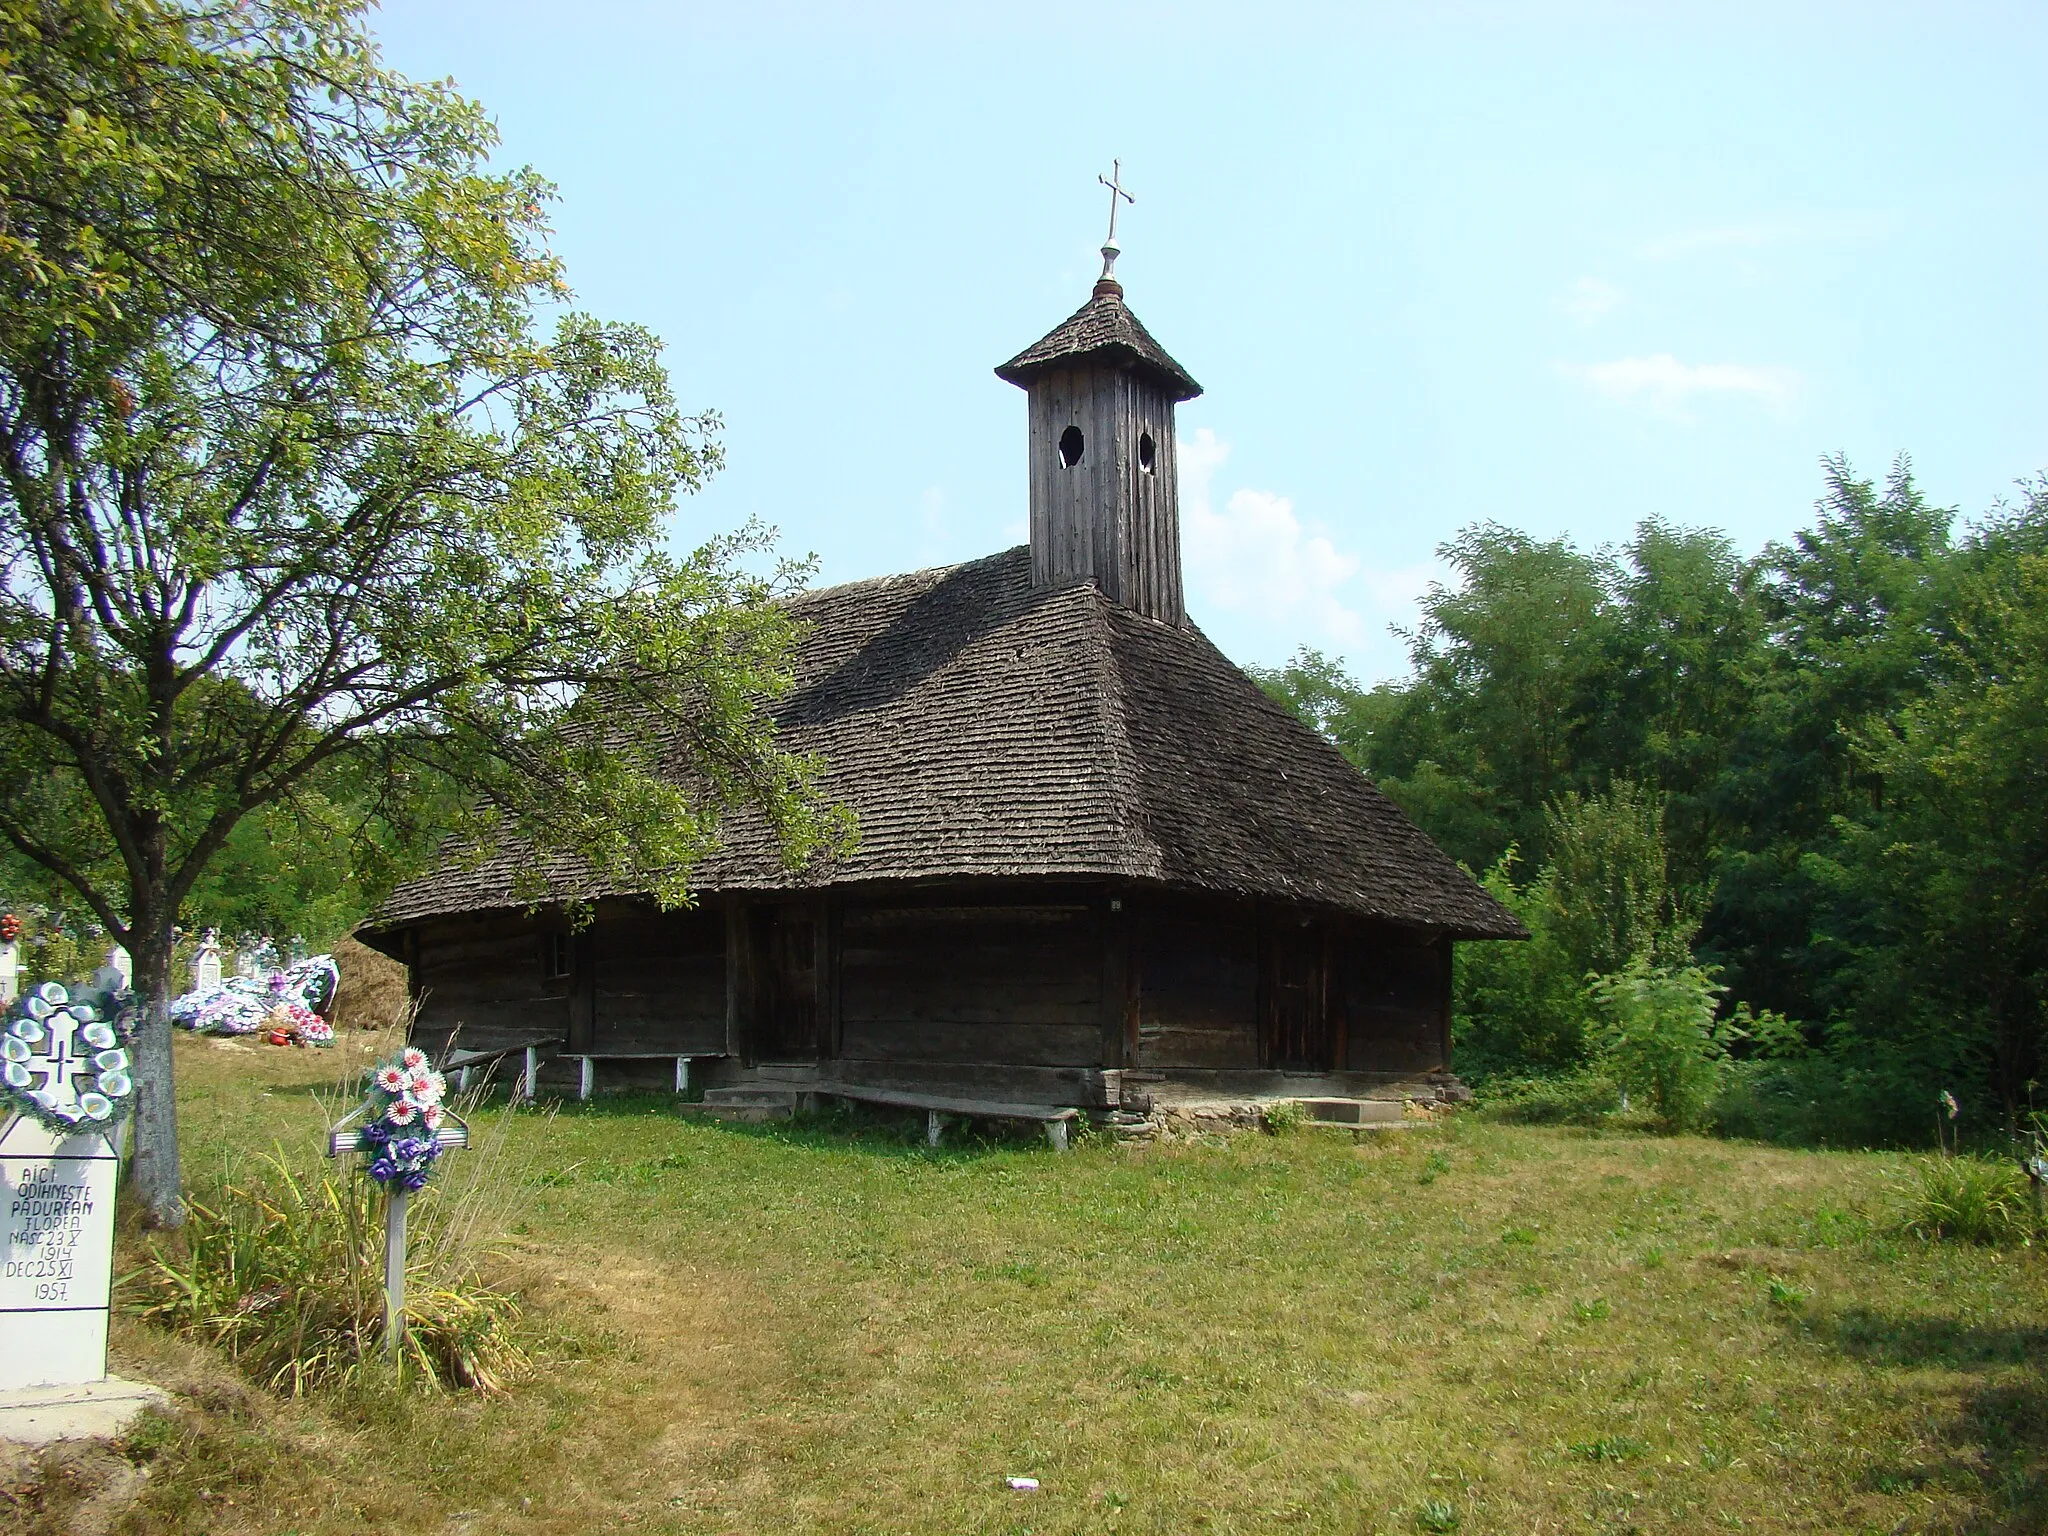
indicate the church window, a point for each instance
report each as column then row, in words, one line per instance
column 1071, row 444
column 554, row 952
column 1146, row 452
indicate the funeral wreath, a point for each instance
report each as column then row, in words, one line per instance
column 64, row 1058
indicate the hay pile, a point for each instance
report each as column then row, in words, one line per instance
column 372, row 993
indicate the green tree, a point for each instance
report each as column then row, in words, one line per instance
column 1508, row 671
column 1854, row 613
column 1686, row 657
column 1519, row 1008
column 1602, row 903
column 1939, row 892
column 293, row 481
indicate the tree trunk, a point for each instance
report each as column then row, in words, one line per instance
column 153, row 1173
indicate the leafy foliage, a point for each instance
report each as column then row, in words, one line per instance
column 1817, row 774
column 1658, row 1038
column 319, row 503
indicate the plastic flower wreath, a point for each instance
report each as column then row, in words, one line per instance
column 64, row 1058
column 401, row 1114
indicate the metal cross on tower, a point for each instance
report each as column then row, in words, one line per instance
column 1114, row 181
column 1107, row 283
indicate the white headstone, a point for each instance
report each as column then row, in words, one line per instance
column 10, row 970
column 118, row 958
column 56, row 1256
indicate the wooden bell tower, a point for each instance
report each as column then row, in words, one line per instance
column 1105, row 495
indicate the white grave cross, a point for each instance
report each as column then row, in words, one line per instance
column 206, row 964
column 344, row 1139
column 59, row 1066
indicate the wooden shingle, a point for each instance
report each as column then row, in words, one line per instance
column 981, row 727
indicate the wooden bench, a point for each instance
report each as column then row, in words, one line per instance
column 682, row 1059
column 1056, row 1121
column 462, row 1063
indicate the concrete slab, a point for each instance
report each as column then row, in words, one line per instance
column 1355, row 1111
column 89, row 1410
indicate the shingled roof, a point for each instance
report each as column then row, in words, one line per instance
column 1102, row 330
column 981, row 727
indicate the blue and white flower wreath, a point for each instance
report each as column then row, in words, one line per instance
column 65, row 1058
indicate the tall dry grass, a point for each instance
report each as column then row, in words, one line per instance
column 281, row 1266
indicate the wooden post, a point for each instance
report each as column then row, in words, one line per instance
column 394, row 1271
column 682, row 1075
column 532, row 1071
column 589, row 1080
column 934, row 1127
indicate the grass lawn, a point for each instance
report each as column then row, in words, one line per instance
column 826, row 1327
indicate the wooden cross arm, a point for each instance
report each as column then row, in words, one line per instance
column 342, row 1141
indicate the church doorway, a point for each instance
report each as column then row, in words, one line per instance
column 787, row 1016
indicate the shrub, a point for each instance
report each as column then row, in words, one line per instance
column 1966, row 1199
column 1517, row 1006
column 1585, row 1097
column 1658, row 1038
column 1283, row 1115
column 285, row 1273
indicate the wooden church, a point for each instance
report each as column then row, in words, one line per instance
column 1097, row 867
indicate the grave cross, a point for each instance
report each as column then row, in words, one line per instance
column 64, row 1065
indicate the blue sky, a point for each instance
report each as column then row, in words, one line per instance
column 1561, row 266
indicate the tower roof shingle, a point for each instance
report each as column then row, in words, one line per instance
column 1102, row 331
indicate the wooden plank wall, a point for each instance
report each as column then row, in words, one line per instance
column 481, row 980
column 1107, row 519
column 1197, row 966
column 659, row 979
column 1394, row 989
column 1011, row 984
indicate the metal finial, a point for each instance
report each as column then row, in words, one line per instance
column 1107, row 283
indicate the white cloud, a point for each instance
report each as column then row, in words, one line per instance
column 1255, row 559
column 1664, row 384
column 1590, row 300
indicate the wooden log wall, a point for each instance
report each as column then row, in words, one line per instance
column 1236, row 986
column 1003, row 984
column 1108, row 518
column 1395, row 991
column 1197, row 974
column 483, row 979
column 955, row 984
column 658, row 980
